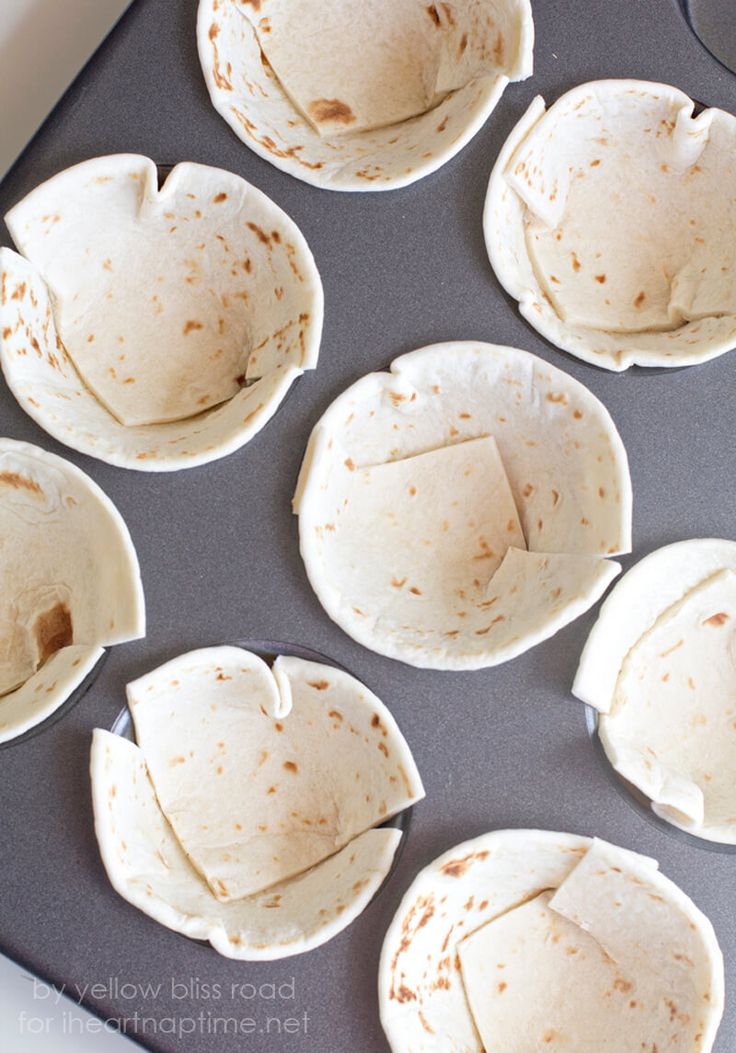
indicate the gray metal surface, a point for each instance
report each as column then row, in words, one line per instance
column 218, row 545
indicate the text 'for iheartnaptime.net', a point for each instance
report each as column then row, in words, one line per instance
column 207, row 1008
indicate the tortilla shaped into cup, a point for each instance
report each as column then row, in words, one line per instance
column 368, row 96
column 70, row 583
column 264, row 772
column 147, row 866
column 609, row 218
column 524, row 939
column 660, row 667
column 155, row 328
column 460, row 508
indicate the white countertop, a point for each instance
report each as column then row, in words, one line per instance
column 43, row 45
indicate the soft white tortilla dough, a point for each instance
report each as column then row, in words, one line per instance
column 660, row 666
column 513, row 941
column 154, row 328
column 71, row 583
column 457, row 510
column 608, row 219
column 361, row 96
column 147, row 867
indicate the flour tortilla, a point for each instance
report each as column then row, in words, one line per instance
column 155, row 328
column 607, row 218
column 71, row 583
column 565, row 971
column 264, row 773
column 329, row 57
column 297, row 82
column 147, row 866
column 414, row 557
column 660, row 666
column 438, row 956
column 537, row 981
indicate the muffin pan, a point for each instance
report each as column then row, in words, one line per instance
column 218, row 546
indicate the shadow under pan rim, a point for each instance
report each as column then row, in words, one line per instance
column 705, row 18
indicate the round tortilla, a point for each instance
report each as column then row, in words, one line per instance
column 660, row 667
column 297, row 81
column 609, row 219
column 459, row 509
column 155, row 328
column 71, row 583
column 525, row 939
column 147, row 866
column 265, row 772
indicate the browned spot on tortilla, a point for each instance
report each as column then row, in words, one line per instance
column 219, row 198
column 457, row 867
column 443, row 124
column 221, row 81
column 383, row 748
column 415, row 591
column 502, row 987
column 190, row 326
column 350, row 464
column 267, row 142
column 717, row 619
column 601, row 279
column 433, row 14
column 664, row 654
column 322, row 110
column 555, row 497
column 404, row 994
column 482, row 632
column 463, row 44
column 639, row 299
column 20, row 482
column 259, row 233
column 279, row 726
column 53, row 630
column 576, row 264
column 289, row 765
column 577, row 414
column 423, row 1021
column 601, row 491
column 176, row 760
column 319, row 685
column 498, row 49
column 398, row 583
column 561, row 398
column 335, row 714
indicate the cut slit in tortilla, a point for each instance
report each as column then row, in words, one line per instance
column 455, row 511
column 147, row 867
column 155, row 327
column 608, row 219
column 527, row 940
column 264, row 773
column 660, row 666
column 71, row 583
column 361, row 96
